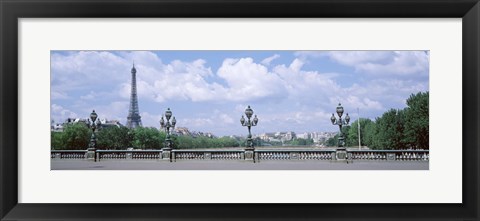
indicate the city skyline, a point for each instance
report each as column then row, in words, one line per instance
column 209, row 90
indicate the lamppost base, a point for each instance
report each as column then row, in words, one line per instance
column 91, row 154
column 167, row 154
column 341, row 154
column 250, row 154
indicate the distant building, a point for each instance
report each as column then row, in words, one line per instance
column 57, row 128
column 267, row 136
column 278, row 136
column 305, row 136
column 103, row 123
column 202, row 134
column 290, row 135
column 110, row 123
column 182, row 131
column 317, row 137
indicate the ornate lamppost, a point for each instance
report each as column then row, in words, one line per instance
column 341, row 153
column 92, row 146
column 249, row 124
column 166, row 151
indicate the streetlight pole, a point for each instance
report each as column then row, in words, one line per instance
column 359, row 139
column 341, row 152
column 92, row 146
column 249, row 149
column 166, row 150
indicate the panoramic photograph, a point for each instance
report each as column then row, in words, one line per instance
column 239, row 110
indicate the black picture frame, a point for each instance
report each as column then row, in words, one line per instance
column 11, row 11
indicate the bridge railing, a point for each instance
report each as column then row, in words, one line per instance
column 294, row 154
column 68, row 154
column 208, row 155
column 390, row 155
column 128, row 154
column 238, row 155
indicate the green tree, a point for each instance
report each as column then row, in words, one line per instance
column 353, row 132
column 201, row 142
column 57, row 140
column 416, row 122
column 148, row 138
column 184, row 142
column 332, row 141
column 390, row 130
column 76, row 136
column 228, row 142
column 370, row 134
column 116, row 138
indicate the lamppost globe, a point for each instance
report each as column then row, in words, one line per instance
column 255, row 120
column 242, row 120
column 93, row 116
column 340, row 110
column 162, row 122
column 174, row 121
column 168, row 114
column 347, row 118
column 332, row 119
column 249, row 112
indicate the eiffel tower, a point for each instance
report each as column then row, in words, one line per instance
column 134, row 119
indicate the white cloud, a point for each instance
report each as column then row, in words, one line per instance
column 377, row 63
column 385, row 62
column 151, row 120
column 284, row 95
column 353, row 58
column 175, row 81
column 304, row 55
column 268, row 60
column 78, row 70
column 362, row 103
column 59, row 113
column 57, row 95
column 90, row 96
column 195, row 123
column 247, row 80
column 226, row 119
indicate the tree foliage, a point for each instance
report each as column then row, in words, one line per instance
column 416, row 121
column 148, row 138
column 77, row 137
column 406, row 128
column 114, row 138
column 353, row 132
column 74, row 137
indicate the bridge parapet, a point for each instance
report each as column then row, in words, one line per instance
column 389, row 155
column 259, row 155
column 68, row 154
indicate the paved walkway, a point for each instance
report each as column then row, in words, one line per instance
column 235, row 165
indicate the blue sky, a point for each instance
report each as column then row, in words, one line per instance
column 209, row 90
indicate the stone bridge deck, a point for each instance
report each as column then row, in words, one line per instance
column 66, row 164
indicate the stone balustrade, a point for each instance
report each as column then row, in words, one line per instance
column 129, row 154
column 68, row 154
column 238, row 154
column 294, row 154
column 208, row 155
column 390, row 155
